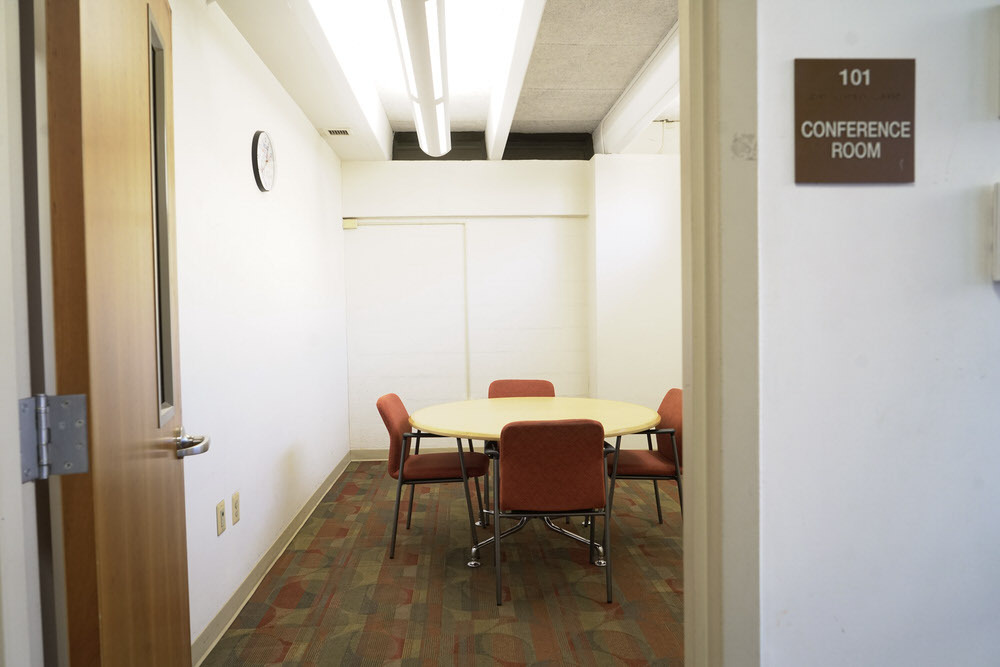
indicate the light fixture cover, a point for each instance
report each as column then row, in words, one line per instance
column 420, row 36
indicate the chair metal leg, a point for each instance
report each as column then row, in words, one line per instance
column 479, row 496
column 486, row 498
column 656, row 492
column 592, row 550
column 601, row 561
column 677, row 461
column 468, row 500
column 607, row 547
column 395, row 515
column 607, row 515
column 409, row 512
column 611, row 492
column 479, row 499
column 496, row 529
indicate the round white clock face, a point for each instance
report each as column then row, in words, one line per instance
column 263, row 160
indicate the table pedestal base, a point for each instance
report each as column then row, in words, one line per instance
column 599, row 562
column 474, row 556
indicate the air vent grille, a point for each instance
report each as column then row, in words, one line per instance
column 340, row 132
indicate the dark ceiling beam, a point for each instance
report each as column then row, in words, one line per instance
column 472, row 146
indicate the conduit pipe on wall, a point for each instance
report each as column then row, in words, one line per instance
column 420, row 36
column 655, row 90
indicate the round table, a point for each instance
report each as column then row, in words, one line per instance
column 485, row 418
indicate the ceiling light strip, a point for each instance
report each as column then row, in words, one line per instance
column 421, row 38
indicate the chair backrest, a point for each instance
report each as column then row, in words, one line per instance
column 553, row 466
column 671, row 415
column 521, row 388
column 397, row 422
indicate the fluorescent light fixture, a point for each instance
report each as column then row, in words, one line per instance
column 418, row 121
column 404, row 46
column 420, row 36
column 435, row 46
column 441, row 117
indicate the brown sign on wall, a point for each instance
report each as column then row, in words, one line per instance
column 854, row 120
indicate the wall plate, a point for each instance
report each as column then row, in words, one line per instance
column 220, row 517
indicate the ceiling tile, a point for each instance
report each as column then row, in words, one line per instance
column 536, row 126
column 585, row 54
column 582, row 66
column 610, row 22
column 569, row 105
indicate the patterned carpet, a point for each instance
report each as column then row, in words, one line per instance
column 335, row 598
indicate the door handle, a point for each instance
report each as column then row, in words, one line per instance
column 190, row 445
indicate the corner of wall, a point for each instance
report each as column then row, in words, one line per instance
column 592, row 274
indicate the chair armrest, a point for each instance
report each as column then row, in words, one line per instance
column 418, row 436
column 424, row 435
column 654, row 431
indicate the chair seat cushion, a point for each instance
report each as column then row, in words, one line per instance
column 642, row 463
column 443, row 465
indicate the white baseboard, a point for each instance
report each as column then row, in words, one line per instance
column 210, row 636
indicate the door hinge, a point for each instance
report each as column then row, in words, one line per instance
column 53, row 436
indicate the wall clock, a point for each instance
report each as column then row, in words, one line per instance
column 262, row 154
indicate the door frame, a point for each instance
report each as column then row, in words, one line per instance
column 721, row 332
column 20, row 598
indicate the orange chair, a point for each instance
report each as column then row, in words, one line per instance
column 515, row 389
column 552, row 468
column 666, row 462
column 521, row 388
column 416, row 468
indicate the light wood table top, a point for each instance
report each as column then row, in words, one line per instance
column 484, row 419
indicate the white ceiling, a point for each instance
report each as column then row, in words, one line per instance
column 476, row 32
column 586, row 53
column 338, row 59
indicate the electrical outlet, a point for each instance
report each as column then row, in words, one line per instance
column 220, row 517
column 236, row 508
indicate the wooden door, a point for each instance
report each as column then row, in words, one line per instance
column 114, row 276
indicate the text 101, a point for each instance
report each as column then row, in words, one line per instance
column 855, row 77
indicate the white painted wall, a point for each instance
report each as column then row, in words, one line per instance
column 663, row 137
column 406, row 331
column 652, row 200
column 579, row 284
column 636, row 305
column 438, row 309
column 413, row 189
column 261, row 298
column 528, row 302
column 516, row 250
column 880, row 356
column 20, row 610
